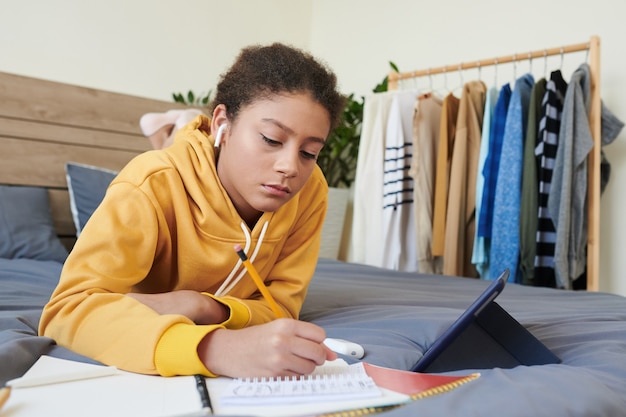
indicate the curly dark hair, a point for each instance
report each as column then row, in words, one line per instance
column 262, row 71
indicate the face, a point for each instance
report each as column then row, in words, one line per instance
column 269, row 152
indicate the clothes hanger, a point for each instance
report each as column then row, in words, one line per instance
column 514, row 68
column 495, row 72
column 462, row 83
column 422, row 92
column 441, row 91
column 430, row 79
column 426, row 91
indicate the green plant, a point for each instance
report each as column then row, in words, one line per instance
column 339, row 156
column 191, row 99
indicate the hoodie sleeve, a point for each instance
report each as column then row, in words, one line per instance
column 89, row 311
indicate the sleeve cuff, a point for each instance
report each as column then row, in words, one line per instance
column 239, row 312
column 177, row 350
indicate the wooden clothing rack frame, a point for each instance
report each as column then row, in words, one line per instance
column 593, row 190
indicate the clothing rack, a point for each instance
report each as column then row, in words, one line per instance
column 593, row 189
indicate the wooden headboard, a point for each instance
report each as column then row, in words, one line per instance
column 44, row 124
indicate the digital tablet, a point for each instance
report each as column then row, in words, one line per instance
column 485, row 336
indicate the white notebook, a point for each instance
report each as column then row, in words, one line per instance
column 120, row 394
column 333, row 387
column 107, row 393
column 327, row 383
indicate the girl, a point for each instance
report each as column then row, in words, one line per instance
column 153, row 284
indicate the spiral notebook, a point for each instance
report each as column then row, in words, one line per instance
column 334, row 389
column 368, row 389
column 327, row 383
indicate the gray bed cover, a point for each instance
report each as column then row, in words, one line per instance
column 396, row 316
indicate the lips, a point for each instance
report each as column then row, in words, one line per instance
column 277, row 189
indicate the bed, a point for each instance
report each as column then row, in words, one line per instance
column 395, row 316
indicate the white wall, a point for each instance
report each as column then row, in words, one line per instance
column 143, row 47
column 153, row 48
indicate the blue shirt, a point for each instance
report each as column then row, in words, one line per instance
column 505, row 245
column 492, row 163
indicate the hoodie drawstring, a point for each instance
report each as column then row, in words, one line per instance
column 227, row 285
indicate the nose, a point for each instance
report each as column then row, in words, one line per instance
column 287, row 163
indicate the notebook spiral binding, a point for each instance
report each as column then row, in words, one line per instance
column 444, row 388
column 425, row 394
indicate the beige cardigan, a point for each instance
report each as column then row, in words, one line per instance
column 460, row 215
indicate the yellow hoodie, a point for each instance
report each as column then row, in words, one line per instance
column 166, row 223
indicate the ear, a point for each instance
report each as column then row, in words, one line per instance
column 218, row 120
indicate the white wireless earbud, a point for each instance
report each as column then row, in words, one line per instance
column 218, row 137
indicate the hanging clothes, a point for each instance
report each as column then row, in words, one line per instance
column 399, row 239
column 506, row 206
column 447, row 133
column 480, row 253
column 546, row 151
column 567, row 200
column 460, row 216
column 426, row 133
column 451, row 242
column 530, row 189
column 492, row 164
column 367, row 216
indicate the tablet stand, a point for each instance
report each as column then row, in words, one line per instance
column 493, row 340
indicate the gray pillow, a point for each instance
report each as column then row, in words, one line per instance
column 87, row 185
column 26, row 229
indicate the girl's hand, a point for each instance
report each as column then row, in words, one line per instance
column 194, row 305
column 283, row 347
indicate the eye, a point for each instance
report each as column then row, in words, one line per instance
column 269, row 141
column 308, row 155
column 303, row 153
